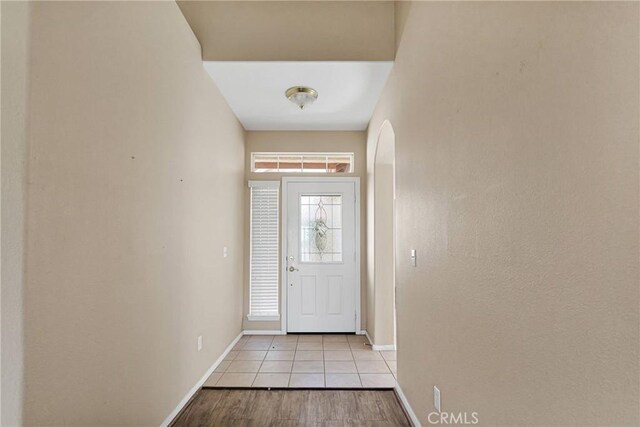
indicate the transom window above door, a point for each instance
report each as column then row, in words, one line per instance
column 330, row 163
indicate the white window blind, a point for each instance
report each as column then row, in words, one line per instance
column 264, row 250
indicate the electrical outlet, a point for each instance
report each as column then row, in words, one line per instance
column 436, row 398
column 225, row 252
column 200, row 343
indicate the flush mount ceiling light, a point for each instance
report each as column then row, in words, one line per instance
column 301, row 96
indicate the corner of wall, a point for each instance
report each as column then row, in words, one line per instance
column 15, row 18
column 194, row 39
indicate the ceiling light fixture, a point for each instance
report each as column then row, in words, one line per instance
column 301, row 96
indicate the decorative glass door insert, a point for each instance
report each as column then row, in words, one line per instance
column 321, row 228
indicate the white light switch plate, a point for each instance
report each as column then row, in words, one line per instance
column 414, row 257
column 436, row 398
column 225, row 252
column 200, row 343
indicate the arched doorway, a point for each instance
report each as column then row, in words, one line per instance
column 384, row 243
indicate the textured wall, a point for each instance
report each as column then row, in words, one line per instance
column 136, row 170
column 15, row 93
column 517, row 182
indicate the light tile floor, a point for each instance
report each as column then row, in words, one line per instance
column 305, row 361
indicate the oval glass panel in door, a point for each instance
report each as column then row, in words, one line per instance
column 321, row 231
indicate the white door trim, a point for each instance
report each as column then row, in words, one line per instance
column 283, row 265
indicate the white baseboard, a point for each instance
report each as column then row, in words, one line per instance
column 415, row 422
column 199, row 384
column 362, row 332
column 389, row 347
column 366, row 333
column 263, row 332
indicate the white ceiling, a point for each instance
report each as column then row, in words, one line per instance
column 347, row 92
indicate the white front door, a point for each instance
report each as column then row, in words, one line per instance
column 320, row 243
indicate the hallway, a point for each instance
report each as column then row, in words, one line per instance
column 320, row 212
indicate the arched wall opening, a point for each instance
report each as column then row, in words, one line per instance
column 383, row 327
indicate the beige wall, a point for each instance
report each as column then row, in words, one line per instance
column 15, row 90
column 381, row 240
column 293, row 30
column 136, row 178
column 305, row 142
column 517, row 182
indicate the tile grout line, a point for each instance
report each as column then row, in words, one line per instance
column 225, row 369
column 355, row 364
column 295, row 352
column 261, row 362
column 324, row 367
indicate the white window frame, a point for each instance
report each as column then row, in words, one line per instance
column 269, row 315
column 351, row 155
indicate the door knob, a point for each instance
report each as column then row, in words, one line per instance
column 292, row 269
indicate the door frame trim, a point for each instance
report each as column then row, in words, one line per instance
column 355, row 180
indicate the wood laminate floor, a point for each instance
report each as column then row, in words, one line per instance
column 275, row 408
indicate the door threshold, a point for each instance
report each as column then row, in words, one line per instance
column 321, row 333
